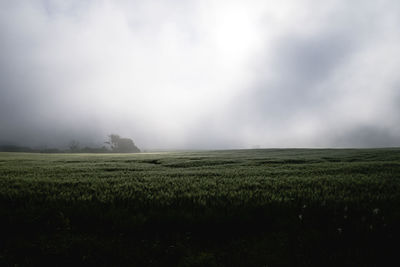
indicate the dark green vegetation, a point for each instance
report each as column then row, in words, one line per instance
column 288, row 207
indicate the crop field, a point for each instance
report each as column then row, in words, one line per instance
column 263, row 207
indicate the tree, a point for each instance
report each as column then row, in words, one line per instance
column 121, row 145
column 74, row 146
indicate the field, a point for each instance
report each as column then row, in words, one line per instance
column 264, row 207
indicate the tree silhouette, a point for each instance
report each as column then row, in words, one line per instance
column 121, row 145
column 74, row 145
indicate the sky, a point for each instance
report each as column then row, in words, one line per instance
column 207, row 74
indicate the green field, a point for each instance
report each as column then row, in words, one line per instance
column 265, row 207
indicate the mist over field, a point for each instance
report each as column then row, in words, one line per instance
column 201, row 74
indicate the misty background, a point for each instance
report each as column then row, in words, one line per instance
column 200, row 74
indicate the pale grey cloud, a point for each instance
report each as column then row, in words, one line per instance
column 201, row 74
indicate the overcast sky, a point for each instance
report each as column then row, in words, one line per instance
column 201, row 74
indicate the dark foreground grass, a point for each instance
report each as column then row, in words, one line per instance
column 283, row 207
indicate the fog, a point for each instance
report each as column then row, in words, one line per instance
column 201, row 74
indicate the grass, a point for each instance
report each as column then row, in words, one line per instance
column 274, row 207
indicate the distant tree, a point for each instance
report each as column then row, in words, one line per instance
column 74, row 146
column 121, row 145
column 113, row 141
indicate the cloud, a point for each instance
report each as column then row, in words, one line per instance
column 200, row 74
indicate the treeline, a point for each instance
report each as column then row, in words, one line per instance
column 16, row 148
column 115, row 144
